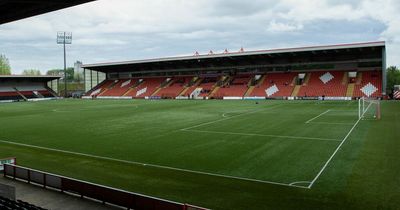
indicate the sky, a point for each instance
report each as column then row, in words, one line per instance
column 118, row 30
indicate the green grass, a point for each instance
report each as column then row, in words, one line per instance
column 229, row 140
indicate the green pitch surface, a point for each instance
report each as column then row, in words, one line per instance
column 216, row 154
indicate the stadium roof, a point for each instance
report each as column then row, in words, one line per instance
column 44, row 78
column 355, row 52
column 12, row 10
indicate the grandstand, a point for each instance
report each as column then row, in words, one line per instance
column 24, row 88
column 334, row 71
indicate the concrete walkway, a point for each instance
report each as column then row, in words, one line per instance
column 51, row 199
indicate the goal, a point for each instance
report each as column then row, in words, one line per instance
column 369, row 108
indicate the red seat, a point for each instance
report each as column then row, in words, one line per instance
column 333, row 88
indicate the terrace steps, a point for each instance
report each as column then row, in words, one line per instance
column 306, row 79
column 249, row 90
column 296, row 90
column 183, row 91
column 165, row 84
column 261, row 81
column 132, row 88
column 156, row 91
column 294, row 80
column 195, row 82
column 345, row 79
column 103, row 91
column 51, row 91
column 252, row 87
column 19, row 93
column 359, row 78
column 107, row 88
column 216, row 88
column 350, row 90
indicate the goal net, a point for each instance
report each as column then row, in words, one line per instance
column 369, row 108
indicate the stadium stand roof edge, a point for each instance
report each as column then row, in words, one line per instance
column 12, row 10
column 246, row 53
column 44, row 78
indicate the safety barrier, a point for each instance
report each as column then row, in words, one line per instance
column 98, row 192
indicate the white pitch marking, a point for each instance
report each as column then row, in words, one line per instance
column 299, row 182
column 151, row 165
column 331, row 123
column 334, row 153
column 265, row 135
column 92, row 108
column 308, row 121
column 224, row 114
column 227, row 118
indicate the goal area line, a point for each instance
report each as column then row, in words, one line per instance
column 263, row 135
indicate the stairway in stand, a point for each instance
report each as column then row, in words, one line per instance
column 165, row 84
column 191, row 86
column 19, row 93
column 359, row 78
column 252, row 87
column 249, row 90
column 350, row 90
column 133, row 87
column 296, row 90
column 216, row 88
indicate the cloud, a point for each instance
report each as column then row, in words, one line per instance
column 107, row 30
column 283, row 27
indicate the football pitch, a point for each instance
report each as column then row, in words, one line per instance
column 216, row 154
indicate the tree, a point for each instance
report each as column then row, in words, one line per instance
column 31, row 72
column 78, row 77
column 60, row 72
column 55, row 72
column 393, row 78
column 5, row 68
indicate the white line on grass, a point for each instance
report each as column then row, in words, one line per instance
column 264, row 135
column 299, row 182
column 331, row 123
column 308, row 121
column 227, row 118
column 334, row 153
column 150, row 165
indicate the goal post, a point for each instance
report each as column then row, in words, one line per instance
column 369, row 108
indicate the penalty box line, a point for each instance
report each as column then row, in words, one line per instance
column 151, row 165
column 334, row 153
column 308, row 121
column 265, row 135
column 227, row 118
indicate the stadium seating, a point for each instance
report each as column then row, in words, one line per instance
column 236, row 87
column 207, row 86
column 12, row 92
column 191, row 86
column 119, row 88
column 270, row 85
column 10, row 96
column 144, row 87
column 7, row 204
column 370, row 84
column 174, row 88
column 100, row 88
column 274, row 85
column 327, row 83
